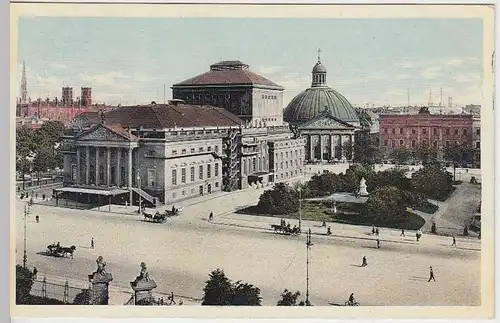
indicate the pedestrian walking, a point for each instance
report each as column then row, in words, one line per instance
column 376, row 231
column 43, row 197
column 373, row 229
column 211, row 216
column 323, row 224
column 364, row 264
column 329, row 231
column 35, row 272
column 172, row 300
column 161, row 301
column 454, row 244
column 402, row 233
column 378, row 244
column 37, row 219
column 431, row 275
column 92, row 243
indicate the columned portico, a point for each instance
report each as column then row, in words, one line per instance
column 130, row 173
column 97, row 182
column 118, row 167
column 108, row 166
column 78, row 170
column 87, row 164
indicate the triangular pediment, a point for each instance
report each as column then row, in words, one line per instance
column 101, row 132
column 326, row 121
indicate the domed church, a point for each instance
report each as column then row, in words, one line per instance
column 325, row 118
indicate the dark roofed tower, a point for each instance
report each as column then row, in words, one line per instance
column 67, row 95
column 86, row 97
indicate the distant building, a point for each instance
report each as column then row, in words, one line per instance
column 438, row 131
column 324, row 118
column 63, row 109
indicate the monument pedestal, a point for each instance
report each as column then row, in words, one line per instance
column 99, row 294
column 143, row 291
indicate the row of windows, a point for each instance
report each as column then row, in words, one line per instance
column 287, row 165
column 413, row 143
column 287, row 174
column 295, row 152
column 174, row 194
column 192, row 173
column 193, row 150
column 424, row 131
column 271, row 97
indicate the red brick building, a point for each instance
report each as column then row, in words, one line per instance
column 435, row 130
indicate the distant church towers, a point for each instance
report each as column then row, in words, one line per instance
column 85, row 100
column 24, row 86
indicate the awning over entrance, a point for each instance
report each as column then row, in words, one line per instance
column 111, row 192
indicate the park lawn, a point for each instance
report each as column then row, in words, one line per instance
column 319, row 212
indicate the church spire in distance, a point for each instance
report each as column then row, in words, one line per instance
column 24, row 85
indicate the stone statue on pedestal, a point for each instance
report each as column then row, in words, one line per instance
column 143, row 286
column 362, row 188
column 100, row 280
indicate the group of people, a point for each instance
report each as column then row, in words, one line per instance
column 170, row 298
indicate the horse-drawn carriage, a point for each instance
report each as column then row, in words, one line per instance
column 157, row 217
column 56, row 250
column 285, row 229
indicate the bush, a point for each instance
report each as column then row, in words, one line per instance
column 434, row 182
column 288, row 298
column 82, row 298
column 24, row 282
column 282, row 199
column 220, row 291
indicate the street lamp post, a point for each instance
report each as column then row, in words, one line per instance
column 139, row 186
column 300, row 207
column 308, row 246
column 25, row 256
column 30, row 159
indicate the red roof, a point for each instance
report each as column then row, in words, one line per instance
column 159, row 116
column 228, row 73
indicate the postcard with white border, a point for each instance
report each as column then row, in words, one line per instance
column 252, row 160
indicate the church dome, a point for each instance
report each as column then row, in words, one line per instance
column 319, row 97
column 312, row 102
column 319, row 68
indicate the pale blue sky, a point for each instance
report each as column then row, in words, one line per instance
column 368, row 60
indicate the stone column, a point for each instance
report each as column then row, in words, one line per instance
column 97, row 166
column 87, row 164
column 332, row 147
column 321, row 147
column 108, row 166
column 311, row 148
column 118, row 166
column 352, row 146
column 78, row 170
column 130, row 173
column 342, row 146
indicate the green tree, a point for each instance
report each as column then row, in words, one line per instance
column 433, row 181
column 24, row 282
column 386, row 205
column 365, row 151
column 245, row 294
column 348, row 150
column 288, row 298
column 399, row 156
column 50, row 132
column 220, row 291
column 282, row 199
column 82, row 298
column 426, row 154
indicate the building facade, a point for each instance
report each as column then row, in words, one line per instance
column 325, row 119
column 162, row 153
column 437, row 131
column 232, row 86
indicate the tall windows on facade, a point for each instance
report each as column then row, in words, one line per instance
column 151, row 177
column 192, row 174
column 209, row 171
column 174, row 177
column 183, row 175
column 200, row 172
column 216, row 169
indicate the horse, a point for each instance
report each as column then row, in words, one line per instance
column 66, row 250
column 148, row 216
